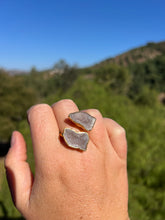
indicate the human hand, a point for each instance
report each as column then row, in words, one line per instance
column 69, row 184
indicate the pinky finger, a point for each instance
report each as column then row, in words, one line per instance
column 117, row 137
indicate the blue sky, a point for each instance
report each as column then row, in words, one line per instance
column 40, row 32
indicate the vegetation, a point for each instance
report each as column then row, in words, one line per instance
column 129, row 94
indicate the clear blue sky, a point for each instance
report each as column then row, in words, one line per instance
column 40, row 32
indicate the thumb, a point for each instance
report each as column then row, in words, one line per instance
column 18, row 172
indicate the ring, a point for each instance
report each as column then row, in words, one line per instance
column 79, row 140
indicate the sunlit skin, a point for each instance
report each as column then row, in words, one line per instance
column 69, row 184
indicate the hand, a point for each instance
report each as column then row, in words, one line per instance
column 69, row 184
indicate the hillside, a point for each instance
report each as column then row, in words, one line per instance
column 137, row 55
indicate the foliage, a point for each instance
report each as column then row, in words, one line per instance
column 150, row 73
column 115, row 77
column 127, row 94
column 15, row 100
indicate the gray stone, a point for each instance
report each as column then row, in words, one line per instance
column 83, row 120
column 73, row 139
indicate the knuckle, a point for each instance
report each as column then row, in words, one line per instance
column 38, row 109
column 63, row 102
column 67, row 101
column 120, row 131
column 95, row 113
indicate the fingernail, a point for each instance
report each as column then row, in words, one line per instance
column 13, row 139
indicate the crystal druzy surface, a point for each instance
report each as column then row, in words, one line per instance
column 73, row 139
column 83, row 120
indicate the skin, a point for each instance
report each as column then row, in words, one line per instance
column 69, row 184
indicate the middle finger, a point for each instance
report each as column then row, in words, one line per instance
column 61, row 110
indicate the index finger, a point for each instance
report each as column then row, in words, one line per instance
column 44, row 133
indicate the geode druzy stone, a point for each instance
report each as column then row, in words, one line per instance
column 73, row 139
column 83, row 120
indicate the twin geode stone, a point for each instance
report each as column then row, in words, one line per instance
column 79, row 140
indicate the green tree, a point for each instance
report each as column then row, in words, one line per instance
column 115, row 77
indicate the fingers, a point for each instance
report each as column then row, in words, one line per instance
column 18, row 172
column 117, row 137
column 45, row 125
column 44, row 132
